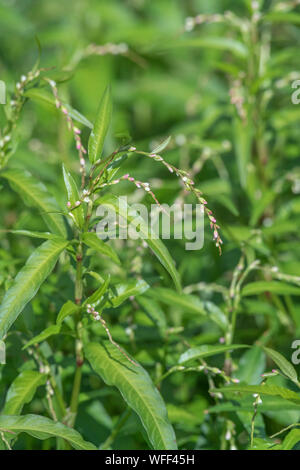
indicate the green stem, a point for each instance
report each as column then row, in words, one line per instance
column 76, row 391
column 78, row 282
column 116, row 429
column 78, row 347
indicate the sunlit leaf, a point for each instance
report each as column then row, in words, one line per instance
column 207, row 351
column 94, row 242
column 120, row 292
column 40, row 95
column 46, row 333
column 276, row 287
column 285, row 366
column 272, row 390
column 43, row 428
column 69, row 308
column 101, row 125
column 22, row 391
column 28, row 281
column 35, row 194
column 137, row 389
column 73, row 197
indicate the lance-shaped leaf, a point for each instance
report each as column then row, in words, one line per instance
column 251, row 366
column 95, row 299
column 101, row 125
column 162, row 145
column 153, row 311
column 276, row 287
column 43, row 428
column 73, row 197
column 94, row 242
column 291, row 440
column 22, row 391
column 35, row 194
column 27, row 282
column 122, row 209
column 206, row 351
column 285, row 366
column 137, row 389
column 272, row 390
column 120, row 292
column 46, row 333
column 186, row 302
column 32, row 234
column 69, row 308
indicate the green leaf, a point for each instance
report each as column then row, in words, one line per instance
column 162, row 145
column 272, row 390
column 207, row 351
column 73, row 197
column 285, row 366
column 188, row 303
column 94, row 242
column 43, row 428
column 69, row 308
column 262, row 444
column 46, row 333
column 115, row 165
column 137, row 389
column 270, row 403
column 121, row 292
column 291, row 440
column 216, row 315
column 37, row 94
column 276, row 287
column 120, row 207
column 30, row 233
column 101, row 125
column 251, row 365
column 35, row 194
column 153, row 311
column 98, row 295
column 28, row 281
column 22, row 391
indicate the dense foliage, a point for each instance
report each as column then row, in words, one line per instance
column 141, row 344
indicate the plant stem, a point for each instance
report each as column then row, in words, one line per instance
column 116, row 429
column 78, row 282
column 78, row 346
column 76, row 391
